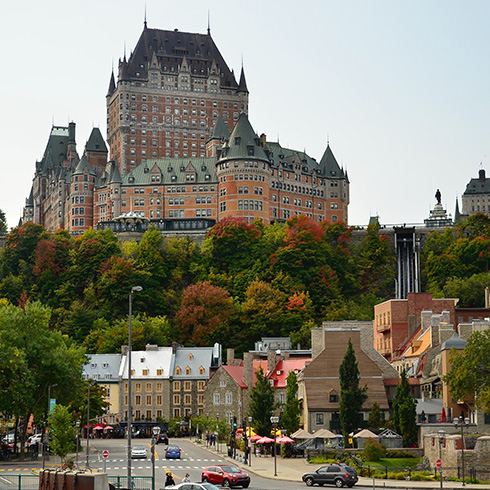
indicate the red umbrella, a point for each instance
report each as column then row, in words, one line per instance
column 284, row 440
column 99, row 427
column 265, row 440
column 108, row 427
column 255, row 438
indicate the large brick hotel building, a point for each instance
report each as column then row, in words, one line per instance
column 182, row 152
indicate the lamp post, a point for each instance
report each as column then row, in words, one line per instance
column 442, row 434
column 155, row 431
column 133, row 289
column 88, row 420
column 250, row 442
column 46, row 427
column 275, row 421
column 462, row 423
column 78, row 439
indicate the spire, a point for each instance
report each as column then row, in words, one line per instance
column 457, row 214
column 112, row 84
column 144, row 23
column 209, row 25
column 242, row 86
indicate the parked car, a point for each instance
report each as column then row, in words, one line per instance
column 172, row 452
column 139, row 452
column 34, row 439
column 225, row 475
column 194, row 486
column 336, row 474
column 162, row 439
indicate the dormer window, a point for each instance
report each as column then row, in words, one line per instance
column 187, row 370
column 237, row 140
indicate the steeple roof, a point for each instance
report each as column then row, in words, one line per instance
column 112, row 85
column 331, row 168
column 115, row 175
column 243, row 142
column 96, row 142
column 220, row 130
column 84, row 165
column 242, row 85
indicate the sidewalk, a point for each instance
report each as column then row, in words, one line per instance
column 291, row 469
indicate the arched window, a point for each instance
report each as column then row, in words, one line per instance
column 177, row 370
column 187, row 370
column 201, row 370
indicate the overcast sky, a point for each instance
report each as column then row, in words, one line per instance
column 399, row 88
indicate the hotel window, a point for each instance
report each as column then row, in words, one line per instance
column 200, row 399
column 126, row 400
column 145, row 372
column 148, row 399
column 200, row 385
column 148, row 386
column 159, row 414
column 159, row 386
column 187, row 399
column 126, row 387
column 138, row 387
column 176, row 399
column 177, row 412
column 216, row 399
column 319, row 419
column 148, row 415
column 176, row 385
column 159, row 372
column 201, row 370
column 229, row 398
column 138, row 400
column 187, row 386
column 159, row 399
column 177, row 370
column 137, row 414
column 187, row 370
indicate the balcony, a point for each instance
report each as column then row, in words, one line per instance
column 383, row 328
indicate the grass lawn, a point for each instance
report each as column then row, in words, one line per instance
column 395, row 462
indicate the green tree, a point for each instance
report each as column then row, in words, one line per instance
column 352, row 396
column 261, row 403
column 63, row 432
column 405, row 412
column 3, row 222
column 375, row 420
column 290, row 415
column 469, row 375
column 469, row 290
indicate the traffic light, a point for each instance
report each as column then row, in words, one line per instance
column 234, row 422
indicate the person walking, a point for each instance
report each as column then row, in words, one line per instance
column 187, row 478
column 169, row 480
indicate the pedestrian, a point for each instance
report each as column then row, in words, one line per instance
column 169, row 481
column 187, row 478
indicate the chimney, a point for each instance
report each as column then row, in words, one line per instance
column 271, row 360
column 248, row 375
column 263, row 140
column 230, row 356
column 481, row 175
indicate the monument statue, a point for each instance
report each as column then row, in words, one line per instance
column 438, row 196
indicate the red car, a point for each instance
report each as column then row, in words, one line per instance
column 225, row 475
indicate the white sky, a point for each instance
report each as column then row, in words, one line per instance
column 400, row 88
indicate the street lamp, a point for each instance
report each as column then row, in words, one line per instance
column 133, row 289
column 462, row 422
column 275, row 421
column 250, row 442
column 44, row 437
column 442, row 434
column 155, row 431
column 78, row 439
column 88, row 420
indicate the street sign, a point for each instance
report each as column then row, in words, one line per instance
column 105, row 454
column 439, row 463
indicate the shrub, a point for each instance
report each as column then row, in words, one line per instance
column 373, row 450
column 398, row 453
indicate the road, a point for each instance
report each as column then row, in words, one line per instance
column 194, row 459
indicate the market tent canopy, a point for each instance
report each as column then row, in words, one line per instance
column 284, row 440
column 324, row 434
column 366, row 433
column 302, row 434
column 265, row 440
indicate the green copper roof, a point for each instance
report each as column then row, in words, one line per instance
column 84, row 166
column 243, row 142
column 96, row 141
column 220, row 130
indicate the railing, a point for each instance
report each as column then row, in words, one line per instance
column 31, row 482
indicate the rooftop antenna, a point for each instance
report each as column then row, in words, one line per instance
column 209, row 24
column 124, row 50
column 145, row 16
column 328, row 139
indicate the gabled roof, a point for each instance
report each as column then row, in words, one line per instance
column 236, row 373
column 194, row 358
column 102, row 367
column 243, row 142
column 152, row 360
column 284, row 367
column 170, row 48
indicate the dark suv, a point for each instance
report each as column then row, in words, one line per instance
column 337, row 474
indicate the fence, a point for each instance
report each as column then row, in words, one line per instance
column 472, row 475
column 31, row 482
